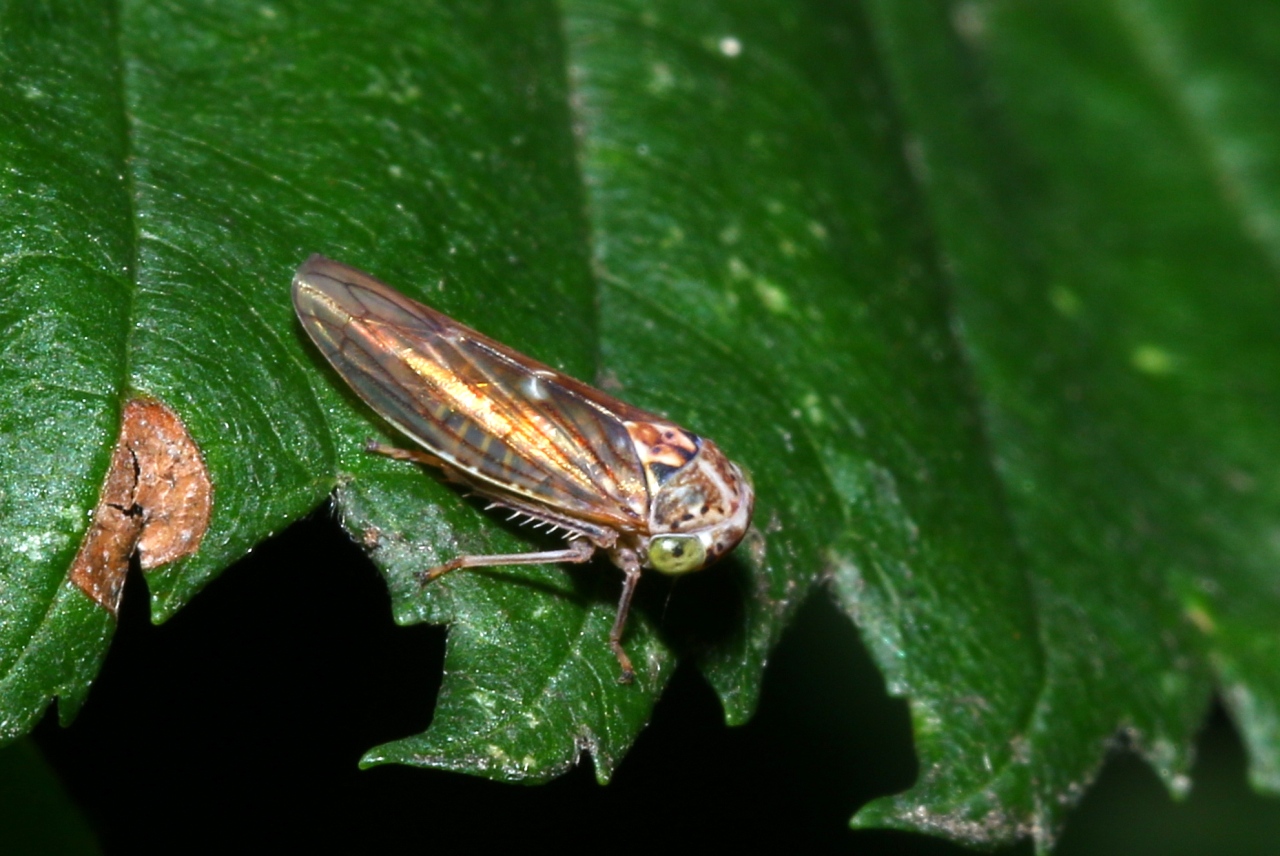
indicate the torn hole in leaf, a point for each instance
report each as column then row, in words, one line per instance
column 156, row 502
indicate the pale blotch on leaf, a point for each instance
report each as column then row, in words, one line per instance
column 772, row 296
column 730, row 46
column 1065, row 301
column 970, row 22
column 1200, row 618
column 813, row 408
column 485, row 700
column 1240, row 481
column 1152, row 360
column 661, row 79
column 156, row 502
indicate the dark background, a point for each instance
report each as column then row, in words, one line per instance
column 242, row 720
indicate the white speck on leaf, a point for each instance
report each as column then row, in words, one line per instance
column 730, row 46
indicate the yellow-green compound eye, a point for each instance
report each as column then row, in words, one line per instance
column 676, row 554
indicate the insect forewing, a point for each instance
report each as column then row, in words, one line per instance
column 505, row 423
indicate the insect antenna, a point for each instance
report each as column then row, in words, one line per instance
column 671, row 590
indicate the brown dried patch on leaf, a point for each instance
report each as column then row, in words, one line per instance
column 156, row 501
column 371, row 538
column 173, row 485
column 100, row 566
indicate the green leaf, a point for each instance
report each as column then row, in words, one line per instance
column 36, row 816
column 982, row 294
column 1102, row 180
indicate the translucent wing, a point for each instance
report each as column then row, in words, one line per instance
column 504, row 423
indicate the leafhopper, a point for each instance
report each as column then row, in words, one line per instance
column 553, row 451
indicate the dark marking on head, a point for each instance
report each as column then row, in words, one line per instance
column 661, row 472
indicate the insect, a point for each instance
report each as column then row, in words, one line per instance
column 548, row 448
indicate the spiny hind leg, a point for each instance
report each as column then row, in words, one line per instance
column 579, row 550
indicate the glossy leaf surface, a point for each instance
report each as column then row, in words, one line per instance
column 983, row 295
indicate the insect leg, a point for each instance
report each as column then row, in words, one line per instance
column 632, row 571
column 579, row 550
column 403, row 454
